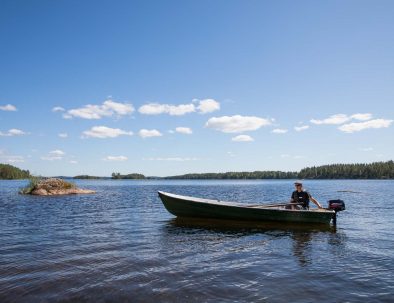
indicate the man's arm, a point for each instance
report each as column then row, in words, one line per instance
column 315, row 201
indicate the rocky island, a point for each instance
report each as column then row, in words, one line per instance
column 53, row 186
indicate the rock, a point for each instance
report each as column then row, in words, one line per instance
column 54, row 186
column 39, row 192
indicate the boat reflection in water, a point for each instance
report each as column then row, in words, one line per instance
column 303, row 240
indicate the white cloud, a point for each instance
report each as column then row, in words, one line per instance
column 11, row 158
column 58, row 109
column 184, row 130
column 173, row 110
column 13, row 132
column 147, row 133
column 242, row 138
column 334, row 119
column 73, row 162
column 115, row 158
column 8, row 108
column 361, row 117
column 279, row 131
column 93, row 112
column 204, row 106
column 236, row 124
column 342, row 118
column 63, row 135
column 15, row 159
column 56, row 154
column 366, row 149
column 103, row 132
column 177, row 159
column 287, row 156
column 359, row 126
column 207, row 105
column 301, row 128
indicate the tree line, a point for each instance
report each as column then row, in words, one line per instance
column 239, row 175
column 9, row 172
column 376, row 170
column 128, row 176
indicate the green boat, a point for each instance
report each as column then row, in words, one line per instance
column 191, row 207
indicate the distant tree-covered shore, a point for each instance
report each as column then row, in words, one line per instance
column 9, row 172
column 239, row 175
column 128, row 176
column 376, row 170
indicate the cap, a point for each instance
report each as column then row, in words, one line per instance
column 298, row 182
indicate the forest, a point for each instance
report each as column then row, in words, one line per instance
column 375, row 170
column 9, row 172
column 128, row 176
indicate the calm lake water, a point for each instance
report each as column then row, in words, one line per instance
column 122, row 245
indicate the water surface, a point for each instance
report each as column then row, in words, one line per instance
column 122, row 245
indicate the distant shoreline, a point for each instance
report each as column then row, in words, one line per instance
column 371, row 171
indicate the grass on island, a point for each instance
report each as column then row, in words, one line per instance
column 45, row 183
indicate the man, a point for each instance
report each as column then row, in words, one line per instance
column 301, row 196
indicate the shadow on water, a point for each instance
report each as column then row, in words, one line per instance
column 300, row 235
column 228, row 226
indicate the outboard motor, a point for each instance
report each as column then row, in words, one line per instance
column 337, row 206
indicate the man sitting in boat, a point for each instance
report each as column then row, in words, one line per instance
column 302, row 196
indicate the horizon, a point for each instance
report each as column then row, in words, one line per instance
column 176, row 88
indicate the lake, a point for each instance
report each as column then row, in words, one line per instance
column 121, row 245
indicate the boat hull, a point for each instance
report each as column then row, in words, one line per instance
column 183, row 206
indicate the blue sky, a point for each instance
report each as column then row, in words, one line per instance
column 172, row 87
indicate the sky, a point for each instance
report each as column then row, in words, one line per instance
column 172, row 87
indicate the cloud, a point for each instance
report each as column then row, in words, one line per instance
column 172, row 110
column 236, row 124
column 177, row 159
column 301, row 128
column 366, row 149
column 279, row 131
column 146, row 133
column 15, row 159
column 11, row 158
column 184, row 130
column 58, row 109
column 204, row 106
column 73, row 162
column 287, row 156
column 109, row 108
column 342, row 118
column 242, row 138
column 115, row 158
column 63, row 135
column 8, row 108
column 361, row 117
column 13, row 132
column 103, row 132
column 359, row 126
column 56, row 154
column 207, row 105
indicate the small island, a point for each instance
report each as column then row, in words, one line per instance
column 52, row 187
